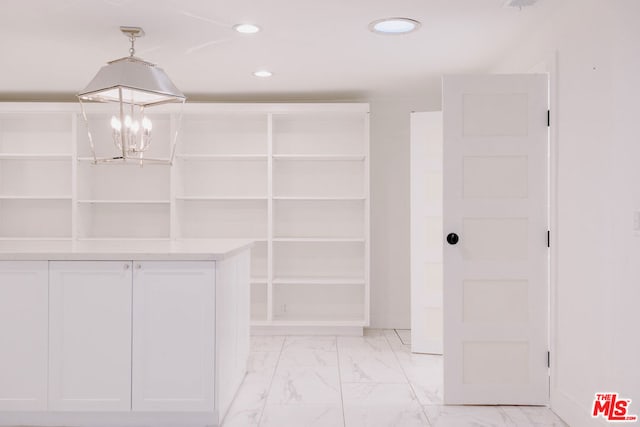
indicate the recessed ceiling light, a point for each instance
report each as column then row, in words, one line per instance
column 394, row 25
column 246, row 28
column 262, row 73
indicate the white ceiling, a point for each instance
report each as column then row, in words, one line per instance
column 51, row 49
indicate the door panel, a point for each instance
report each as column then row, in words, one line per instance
column 173, row 335
column 495, row 277
column 492, row 177
column 90, row 336
column 494, row 239
column 23, row 335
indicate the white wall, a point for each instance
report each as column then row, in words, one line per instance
column 390, row 244
column 597, row 320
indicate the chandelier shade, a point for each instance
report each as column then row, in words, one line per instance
column 142, row 84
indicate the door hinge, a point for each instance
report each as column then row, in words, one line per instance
column 548, row 359
column 548, row 118
column 548, row 238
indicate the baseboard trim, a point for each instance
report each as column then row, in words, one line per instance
column 109, row 419
column 307, row 330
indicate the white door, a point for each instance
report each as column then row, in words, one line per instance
column 426, row 232
column 173, row 335
column 24, row 325
column 90, row 336
column 495, row 276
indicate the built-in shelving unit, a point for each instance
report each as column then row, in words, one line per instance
column 292, row 177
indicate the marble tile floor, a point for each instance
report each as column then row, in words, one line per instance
column 369, row 381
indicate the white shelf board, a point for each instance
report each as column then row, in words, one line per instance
column 320, row 239
column 258, row 280
column 123, row 239
column 222, row 157
column 254, row 239
column 38, row 197
column 301, row 198
column 318, row 281
column 123, row 202
column 220, row 198
column 36, row 239
column 29, row 156
column 319, row 157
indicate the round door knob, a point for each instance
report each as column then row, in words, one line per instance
column 452, row 238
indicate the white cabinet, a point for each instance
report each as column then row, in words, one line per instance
column 120, row 342
column 173, row 330
column 132, row 335
column 90, row 336
column 23, row 335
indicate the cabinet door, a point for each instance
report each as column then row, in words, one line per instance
column 90, row 336
column 23, row 335
column 173, row 336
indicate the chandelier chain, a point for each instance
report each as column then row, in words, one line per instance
column 132, row 49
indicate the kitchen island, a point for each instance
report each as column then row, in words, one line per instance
column 122, row 333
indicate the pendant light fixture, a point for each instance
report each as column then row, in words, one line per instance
column 132, row 86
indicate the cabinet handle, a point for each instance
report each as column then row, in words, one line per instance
column 126, row 266
column 138, row 266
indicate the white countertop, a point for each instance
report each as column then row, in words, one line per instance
column 105, row 250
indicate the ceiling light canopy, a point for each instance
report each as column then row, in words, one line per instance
column 246, row 28
column 133, row 86
column 393, row 26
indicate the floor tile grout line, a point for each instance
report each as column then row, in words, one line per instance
column 344, row 419
column 273, row 374
column 395, row 331
column 413, row 391
column 506, row 416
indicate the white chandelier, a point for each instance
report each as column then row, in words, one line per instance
column 134, row 86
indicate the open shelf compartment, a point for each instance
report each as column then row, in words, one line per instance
column 319, row 219
column 328, row 133
column 322, row 302
column 259, row 302
column 223, row 178
column 35, row 178
column 35, row 218
column 41, row 133
column 320, row 260
column 318, row 178
column 123, row 182
column 224, row 133
column 123, row 220
column 222, row 219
